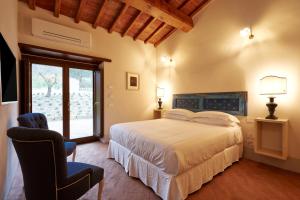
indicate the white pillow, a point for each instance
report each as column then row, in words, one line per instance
column 180, row 114
column 178, row 117
column 217, row 115
column 211, row 121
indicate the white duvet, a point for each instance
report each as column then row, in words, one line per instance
column 174, row 146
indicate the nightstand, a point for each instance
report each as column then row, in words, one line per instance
column 158, row 113
column 271, row 138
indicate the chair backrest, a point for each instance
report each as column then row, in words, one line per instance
column 43, row 161
column 33, row 120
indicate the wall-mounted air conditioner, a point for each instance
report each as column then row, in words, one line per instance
column 59, row 33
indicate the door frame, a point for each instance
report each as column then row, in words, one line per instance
column 26, row 89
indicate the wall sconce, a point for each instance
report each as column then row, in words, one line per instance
column 272, row 85
column 160, row 93
column 167, row 60
column 247, row 32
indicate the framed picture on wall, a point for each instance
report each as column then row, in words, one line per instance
column 132, row 81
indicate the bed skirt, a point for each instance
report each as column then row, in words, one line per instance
column 170, row 187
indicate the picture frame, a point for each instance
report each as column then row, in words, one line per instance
column 133, row 82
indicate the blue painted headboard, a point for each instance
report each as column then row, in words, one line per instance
column 234, row 103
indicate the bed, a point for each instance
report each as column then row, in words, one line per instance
column 175, row 157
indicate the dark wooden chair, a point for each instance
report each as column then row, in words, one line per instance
column 46, row 173
column 39, row 120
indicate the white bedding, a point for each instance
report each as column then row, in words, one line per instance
column 174, row 146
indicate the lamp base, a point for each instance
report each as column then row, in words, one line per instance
column 271, row 107
column 159, row 103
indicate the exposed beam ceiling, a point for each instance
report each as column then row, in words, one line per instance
column 132, row 23
column 164, row 12
column 122, row 12
column 156, row 32
column 151, row 21
column 100, row 12
column 201, row 6
column 79, row 11
column 148, row 24
column 31, row 4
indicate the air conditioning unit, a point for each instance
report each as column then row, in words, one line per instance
column 59, row 33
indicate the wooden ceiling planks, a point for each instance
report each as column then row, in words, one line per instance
column 79, row 11
column 119, row 16
column 100, row 13
column 31, row 4
column 131, row 23
column 201, row 5
column 151, row 21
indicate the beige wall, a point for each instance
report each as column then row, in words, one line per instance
column 127, row 55
column 213, row 57
column 8, row 112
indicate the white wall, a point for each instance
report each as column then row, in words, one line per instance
column 8, row 112
column 127, row 55
column 213, row 57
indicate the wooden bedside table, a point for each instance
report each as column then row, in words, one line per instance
column 267, row 128
column 158, row 113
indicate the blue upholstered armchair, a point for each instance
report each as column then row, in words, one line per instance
column 39, row 120
column 46, row 173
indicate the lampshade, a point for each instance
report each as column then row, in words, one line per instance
column 273, row 85
column 160, row 92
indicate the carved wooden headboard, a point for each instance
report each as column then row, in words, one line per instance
column 234, row 103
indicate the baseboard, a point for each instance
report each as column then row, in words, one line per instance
column 291, row 164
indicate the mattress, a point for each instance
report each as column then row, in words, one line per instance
column 174, row 146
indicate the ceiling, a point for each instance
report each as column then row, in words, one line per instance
column 151, row 21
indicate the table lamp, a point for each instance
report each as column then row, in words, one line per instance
column 160, row 92
column 271, row 86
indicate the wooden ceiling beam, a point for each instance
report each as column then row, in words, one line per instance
column 201, row 6
column 164, row 25
column 165, row 37
column 183, row 4
column 131, row 23
column 196, row 10
column 79, row 11
column 101, row 10
column 31, row 4
column 149, row 23
column 57, row 6
column 121, row 13
column 156, row 32
column 164, row 12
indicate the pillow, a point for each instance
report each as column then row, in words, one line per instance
column 180, row 114
column 179, row 111
column 227, row 118
column 212, row 121
column 178, row 117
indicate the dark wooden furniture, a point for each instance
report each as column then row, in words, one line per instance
column 158, row 113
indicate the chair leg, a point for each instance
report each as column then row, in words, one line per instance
column 101, row 183
column 74, row 155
